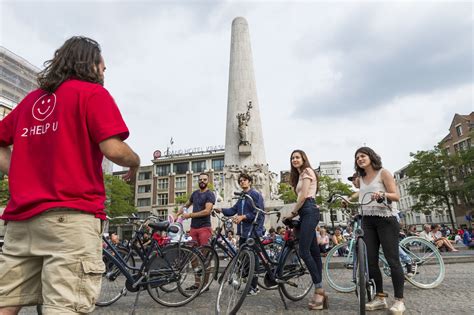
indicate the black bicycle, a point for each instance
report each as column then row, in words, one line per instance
column 165, row 272
column 289, row 274
column 209, row 251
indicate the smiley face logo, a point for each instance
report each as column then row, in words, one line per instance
column 44, row 106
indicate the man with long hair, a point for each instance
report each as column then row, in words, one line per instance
column 52, row 254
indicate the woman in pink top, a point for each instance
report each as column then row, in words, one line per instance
column 305, row 183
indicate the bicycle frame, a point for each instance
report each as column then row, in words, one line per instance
column 228, row 248
column 255, row 244
column 147, row 256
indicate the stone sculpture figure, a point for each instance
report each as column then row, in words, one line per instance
column 243, row 119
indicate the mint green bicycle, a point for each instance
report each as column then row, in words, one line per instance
column 425, row 265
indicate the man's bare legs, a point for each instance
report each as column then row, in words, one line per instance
column 10, row 310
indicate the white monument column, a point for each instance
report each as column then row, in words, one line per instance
column 244, row 147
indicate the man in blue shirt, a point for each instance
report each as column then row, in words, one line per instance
column 202, row 201
column 244, row 216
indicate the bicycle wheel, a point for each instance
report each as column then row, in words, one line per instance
column 297, row 279
column 274, row 251
column 236, row 283
column 176, row 277
column 211, row 261
column 338, row 268
column 427, row 262
column 113, row 281
column 361, row 275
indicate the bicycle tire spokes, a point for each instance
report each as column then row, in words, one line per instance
column 235, row 283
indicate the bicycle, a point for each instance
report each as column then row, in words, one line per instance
column 209, row 252
column 289, row 273
column 357, row 263
column 165, row 272
column 425, row 262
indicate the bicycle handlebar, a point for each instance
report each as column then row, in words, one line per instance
column 334, row 197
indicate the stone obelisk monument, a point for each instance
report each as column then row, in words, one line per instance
column 244, row 147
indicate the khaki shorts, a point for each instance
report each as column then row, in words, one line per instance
column 53, row 259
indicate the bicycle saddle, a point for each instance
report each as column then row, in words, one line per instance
column 159, row 226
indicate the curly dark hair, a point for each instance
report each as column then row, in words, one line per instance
column 295, row 175
column 375, row 160
column 78, row 57
column 246, row 176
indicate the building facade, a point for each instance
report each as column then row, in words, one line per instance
column 17, row 79
column 457, row 140
column 164, row 186
column 331, row 169
column 407, row 201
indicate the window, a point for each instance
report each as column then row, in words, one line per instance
column 163, row 214
column 180, row 194
column 181, row 168
column 143, row 202
column 418, row 219
column 218, row 165
column 144, row 189
column 163, row 184
column 334, row 217
column 162, row 199
column 163, row 170
column 144, row 175
column 180, row 183
column 198, row 166
column 459, row 130
column 195, row 181
column 143, row 214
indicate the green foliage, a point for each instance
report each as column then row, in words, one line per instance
column 287, row 193
column 462, row 167
column 4, row 192
column 181, row 200
column 329, row 186
column 431, row 171
column 119, row 197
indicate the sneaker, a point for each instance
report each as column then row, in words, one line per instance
column 409, row 270
column 253, row 291
column 378, row 303
column 398, row 308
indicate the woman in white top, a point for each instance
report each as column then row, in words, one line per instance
column 305, row 183
column 380, row 225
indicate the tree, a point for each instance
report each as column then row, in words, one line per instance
column 430, row 173
column 287, row 194
column 462, row 168
column 327, row 187
column 180, row 200
column 119, row 197
column 4, row 192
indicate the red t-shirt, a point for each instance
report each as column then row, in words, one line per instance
column 56, row 159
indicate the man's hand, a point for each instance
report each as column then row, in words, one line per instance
column 217, row 210
column 186, row 215
column 238, row 218
column 131, row 174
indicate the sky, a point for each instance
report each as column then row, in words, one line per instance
column 331, row 76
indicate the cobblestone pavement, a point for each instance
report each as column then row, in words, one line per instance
column 454, row 296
